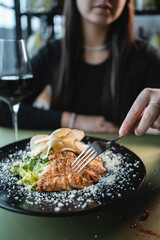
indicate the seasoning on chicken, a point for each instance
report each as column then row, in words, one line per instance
column 61, row 176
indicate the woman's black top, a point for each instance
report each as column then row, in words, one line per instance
column 144, row 71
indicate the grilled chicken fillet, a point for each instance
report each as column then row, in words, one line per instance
column 61, row 176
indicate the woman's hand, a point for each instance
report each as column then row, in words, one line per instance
column 89, row 123
column 144, row 113
column 94, row 124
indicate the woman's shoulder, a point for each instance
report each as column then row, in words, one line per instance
column 52, row 46
column 144, row 48
column 143, row 53
column 50, row 52
column 54, row 43
column 145, row 63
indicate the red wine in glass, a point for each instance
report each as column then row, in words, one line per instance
column 16, row 78
column 13, row 89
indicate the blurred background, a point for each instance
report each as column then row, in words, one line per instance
column 37, row 21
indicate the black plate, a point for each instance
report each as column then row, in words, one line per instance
column 121, row 181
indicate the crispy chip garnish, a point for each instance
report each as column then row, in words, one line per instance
column 61, row 132
column 61, row 139
column 71, row 138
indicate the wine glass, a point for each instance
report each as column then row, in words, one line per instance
column 15, row 75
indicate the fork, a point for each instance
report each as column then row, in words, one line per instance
column 95, row 149
column 90, row 153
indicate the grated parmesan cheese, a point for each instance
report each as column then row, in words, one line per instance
column 117, row 178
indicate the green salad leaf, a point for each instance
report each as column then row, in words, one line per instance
column 29, row 170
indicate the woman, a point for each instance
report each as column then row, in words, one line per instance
column 96, row 71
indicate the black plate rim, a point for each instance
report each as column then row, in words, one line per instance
column 8, row 207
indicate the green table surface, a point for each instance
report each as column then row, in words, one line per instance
column 120, row 222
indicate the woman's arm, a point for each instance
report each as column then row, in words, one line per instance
column 89, row 123
column 33, row 118
column 30, row 117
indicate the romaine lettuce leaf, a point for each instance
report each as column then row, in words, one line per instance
column 29, row 171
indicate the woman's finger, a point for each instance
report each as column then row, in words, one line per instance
column 135, row 112
column 150, row 114
column 153, row 131
column 156, row 123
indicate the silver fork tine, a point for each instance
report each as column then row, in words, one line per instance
column 90, row 153
column 80, row 155
column 85, row 159
column 91, row 159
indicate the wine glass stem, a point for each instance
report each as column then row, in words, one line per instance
column 14, row 111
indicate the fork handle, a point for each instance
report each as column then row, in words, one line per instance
column 116, row 139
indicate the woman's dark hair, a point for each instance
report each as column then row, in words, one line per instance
column 121, row 39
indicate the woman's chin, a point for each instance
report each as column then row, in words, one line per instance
column 101, row 19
